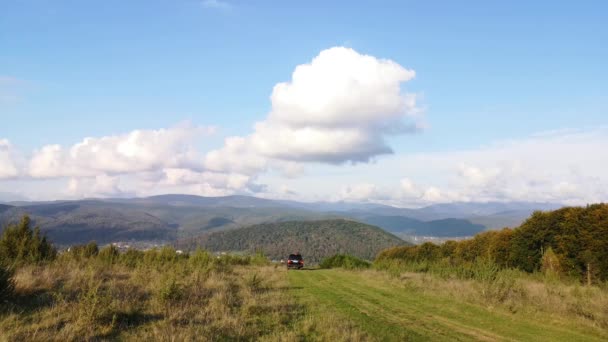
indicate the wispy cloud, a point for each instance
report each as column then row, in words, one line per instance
column 217, row 4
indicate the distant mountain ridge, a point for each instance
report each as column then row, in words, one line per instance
column 409, row 226
column 170, row 217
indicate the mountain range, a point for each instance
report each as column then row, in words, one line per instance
column 172, row 217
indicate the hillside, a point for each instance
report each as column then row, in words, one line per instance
column 156, row 219
column 68, row 223
column 439, row 228
column 314, row 239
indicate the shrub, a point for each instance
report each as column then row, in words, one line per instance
column 200, row 258
column 259, row 259
column 162, row 257
column 132, row 257
column 344, row 261
column 109, row 254
column 20, row 244
column 169, row 291
column 79, row 252
column 550, row 264
column 6, row 284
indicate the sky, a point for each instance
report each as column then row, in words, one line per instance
column 407, row 103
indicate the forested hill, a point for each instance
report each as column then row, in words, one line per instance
column 570, row 241
column 314, row 239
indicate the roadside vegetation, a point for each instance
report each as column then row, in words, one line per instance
column 344, row 261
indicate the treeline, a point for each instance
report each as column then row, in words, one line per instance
column 571, row 241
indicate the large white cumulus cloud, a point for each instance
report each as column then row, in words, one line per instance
column 137, row 151
column 342, row 88
column 337, row 108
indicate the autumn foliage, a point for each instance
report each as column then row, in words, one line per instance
column 571, row 241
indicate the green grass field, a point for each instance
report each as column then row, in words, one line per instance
column 232, row 298
column 399, row 309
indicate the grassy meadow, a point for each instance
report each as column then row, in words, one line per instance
column 161, row 295
column 422, row 307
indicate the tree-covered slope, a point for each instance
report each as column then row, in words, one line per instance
column 571, row 241
column 67, row 223
column 314, row 239
column 410, row 226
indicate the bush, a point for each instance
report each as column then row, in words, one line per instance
column 109, row 254
column 169, row 291
column 20, row 244
column 79, row 252
column 200, row 258
column 132, row 257
column 344, row 261
column 6, row 284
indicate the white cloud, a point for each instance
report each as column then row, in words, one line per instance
column 8, row 164
column 227, row 181
column 235, row 156
column 360, row 192
column 99, row 186
column 137, row 151
column 567, row 167
column 342, row 88
column 338, row 108
column 407, row 194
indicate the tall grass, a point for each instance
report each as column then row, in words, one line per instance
column 156, row 295
column 483, row 282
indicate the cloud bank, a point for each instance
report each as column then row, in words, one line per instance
column 137, row 151
column 564, row 167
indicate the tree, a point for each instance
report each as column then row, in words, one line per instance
column 20, row 244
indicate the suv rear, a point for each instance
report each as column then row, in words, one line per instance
column 295, row 261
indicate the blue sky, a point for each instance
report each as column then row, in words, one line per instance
column 486, row 73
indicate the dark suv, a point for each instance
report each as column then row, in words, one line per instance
column 295, row 261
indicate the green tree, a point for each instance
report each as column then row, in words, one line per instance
column 20, row 244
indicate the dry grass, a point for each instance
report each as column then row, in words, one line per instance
column 200, row 299
column 516, row 292
column 71, row 300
